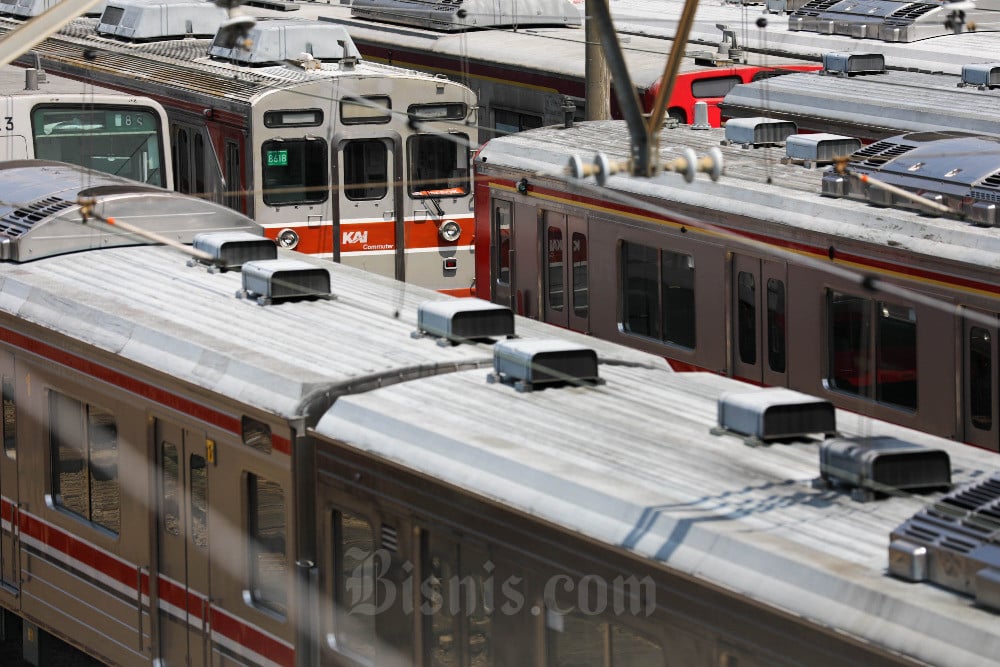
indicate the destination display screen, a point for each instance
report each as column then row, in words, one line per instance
column 277, row 158
column 92, row 121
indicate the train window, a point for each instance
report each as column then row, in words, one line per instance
column 266, row 530
column 980, row 378
column 507, row 122
column 198, row 511
column 199, row 164
column 84, row 452
column 776, row 325
column 574, row 640
column 554, row 266
column 115, row 140
column 658, row 299
column 170, row 475
column 438, row 165
column 234, row 177
column 716, row 86
column 501, row 232
column 9, row 418
column 453, row 111
column 256, row 434
column 458, row 604
column 879, row 364
column 294, row 171
column 746, row 317
column 182, row 161
column 368, row 109
column 356, row 567
column 366, row 169
column 296, row 118
column 581, row 291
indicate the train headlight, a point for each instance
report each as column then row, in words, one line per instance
column 450, row 230
column 288, row 238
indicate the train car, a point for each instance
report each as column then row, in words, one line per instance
column 740, row 276
column 523, row 72
column 231, row 453
column 48, row 117
column 856, row 95
column 341, row 158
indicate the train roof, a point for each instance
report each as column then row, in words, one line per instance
column 634, row 465
column 870, row 106
column 946, row 52
column 769, row 194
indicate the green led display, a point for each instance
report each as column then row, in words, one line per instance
column 277, row 158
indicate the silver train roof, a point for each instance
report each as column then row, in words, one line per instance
column 41, row 211
column 633, row 465
column 449, row 16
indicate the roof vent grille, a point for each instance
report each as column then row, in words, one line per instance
column 527, row 364
column 758, row 131
column 462, row 320
column 954, row 543
column 880, row 466
column 819, row 148
column 981, row 75
column 231, row 250
column 773, row 414
column 852, row 64
column 281, row 279
column 20, row 220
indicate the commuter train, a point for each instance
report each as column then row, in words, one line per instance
column 857, row 95
column 49, row 117
column 239, row 454
column 739, row 276
column 523, row 72
column 282, row 120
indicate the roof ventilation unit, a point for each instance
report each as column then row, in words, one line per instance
column 954, row 543
column 271, row 41
column 231, row 250
column 880, row 466
column 851, row 64
column 31, row 8
column 527, row 364
column 462, row 320
column 819, row 148
column 158, row 19
column 448, row 16
column 277, row 279
column 981, row 75
column 776, row 413
column 758, row 131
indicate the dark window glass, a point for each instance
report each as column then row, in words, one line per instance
column 501, row 232
column 268, row 564
column 896, row 356
column 444, row 111
column 659, row 294
column 234, row 177
column 371, row 109
column 295, row 171
column 9, row 418
column 356, row 568
column 199, row 164
column 508, row 122
column 581, row 289
column 256, row 434
column 198, row 474
column 366, row 169
column 294, row 118
column 575, row 640
column 641, row 302
column 170, row 478
column 981, row 378
column 678, row 298
column 554, row 268
column 746, row 317
column 850, row 349
column 438, row 165
column 776, row 325
column 718, row 86
column 182, row 158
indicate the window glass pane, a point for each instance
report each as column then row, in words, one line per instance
column 438, row 165
column 717, row 86
column 9, row 418
column 507, row 122
column 366, row 169
column 580, row 643
column 896, row 348
column 102, row 432
column 198, row 511
column 678, row 298
column 199, row 164
column 68, row 455
column 776, row 325
column 640, row 303
column 371, row 109
column 477, row 595
column 581, row 289
column 849, row 345
column 501, row 232
column 629, row 649
column 233, row 177
column 981, row 378
column 554, row 268
column 746, row 317
column 169, row 475
column 294, row 171
column 182, row 156
column 267, row 543
column 441, row 596
column 357, row 567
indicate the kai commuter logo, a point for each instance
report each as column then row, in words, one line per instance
column 355, row 238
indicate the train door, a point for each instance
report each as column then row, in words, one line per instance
column 980, row 405
column 758, row 322
column 565, row 288
column 182, row 538
column 502, row 252
column 368, row 223
column 8, row 479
